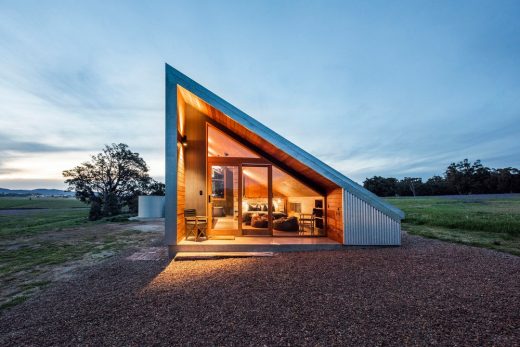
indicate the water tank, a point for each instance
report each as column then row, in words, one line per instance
column 151, row 206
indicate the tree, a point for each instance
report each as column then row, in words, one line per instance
column 505, row 180
column 410, row 185
column 110, row 180
column 459, row 178
column 436, row 185
column 480, row 179
column 381, row 186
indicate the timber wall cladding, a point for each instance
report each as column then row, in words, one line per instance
column 181, row 179
column 335, row 215
column 181, row 194
column 195, row 160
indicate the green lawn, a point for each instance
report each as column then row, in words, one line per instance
column 26, row 202
column 37, row 215
column 492, row 222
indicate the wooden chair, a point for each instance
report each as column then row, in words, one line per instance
column 306, row 220
column 196, row 226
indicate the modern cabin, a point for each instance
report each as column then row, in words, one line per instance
column 248, row 181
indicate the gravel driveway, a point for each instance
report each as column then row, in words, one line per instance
column 425, row 292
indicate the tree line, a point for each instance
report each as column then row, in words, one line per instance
column 459, row 178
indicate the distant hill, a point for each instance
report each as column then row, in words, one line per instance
column 39, row 191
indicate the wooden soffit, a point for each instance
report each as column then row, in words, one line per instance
column 263, row 147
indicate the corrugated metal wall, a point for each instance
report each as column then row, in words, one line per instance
column 365, row 225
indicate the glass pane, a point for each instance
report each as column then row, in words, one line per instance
column 224, row 202
column 255, row 206
column 221, row 145
column 298, row 207
column 217, row 182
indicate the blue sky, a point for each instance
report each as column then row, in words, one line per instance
column 392, row 88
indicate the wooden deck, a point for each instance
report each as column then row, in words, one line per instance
column 257, row 244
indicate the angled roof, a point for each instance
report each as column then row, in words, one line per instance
column 176, row 77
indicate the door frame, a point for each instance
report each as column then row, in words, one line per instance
column 209, row 199
column 269, row 167
column 240, row 163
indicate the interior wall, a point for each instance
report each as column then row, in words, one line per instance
column 306, row 201
column 335, row 215
column 195, row 160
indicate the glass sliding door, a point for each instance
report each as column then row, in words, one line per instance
column 223, row 202
column 257, row 200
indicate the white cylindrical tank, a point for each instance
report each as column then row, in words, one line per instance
column 151, row 206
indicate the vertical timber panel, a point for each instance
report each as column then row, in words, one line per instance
column 195, row 160
column 181, row 193
column 335, row 215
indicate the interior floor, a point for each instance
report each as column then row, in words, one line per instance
column 295, row 233
column 262, row 240
column 229, row 223
column 225, row 223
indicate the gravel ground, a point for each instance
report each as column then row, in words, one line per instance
column 426, row 292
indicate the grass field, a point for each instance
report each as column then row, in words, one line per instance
column 25, row 216
column 486, row 221
column 41, row 239
column 39, row 203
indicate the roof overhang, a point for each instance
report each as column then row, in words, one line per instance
column 275, row 147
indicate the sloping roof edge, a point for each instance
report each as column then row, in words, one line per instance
column 177, row 77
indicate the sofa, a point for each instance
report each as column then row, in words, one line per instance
column 260, row 221
column 286, row 224
column 246, row 216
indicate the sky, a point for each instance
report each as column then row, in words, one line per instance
column 390, row 88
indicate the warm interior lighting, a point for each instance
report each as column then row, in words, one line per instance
column 184, row 141
column 221, row 145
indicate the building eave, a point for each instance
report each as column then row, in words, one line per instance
column 176, row 77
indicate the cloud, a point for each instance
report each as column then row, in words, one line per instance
column 10, row 144
column 365, row 96
column 8, row 171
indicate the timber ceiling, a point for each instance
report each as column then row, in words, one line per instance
column 258, row 144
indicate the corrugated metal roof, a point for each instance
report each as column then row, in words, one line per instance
column 176, row 77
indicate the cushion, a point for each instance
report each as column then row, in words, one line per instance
column 277, row 215
column 258, row 221
column 286, row 224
